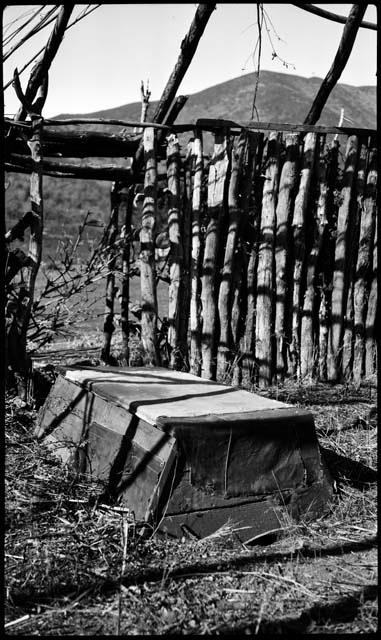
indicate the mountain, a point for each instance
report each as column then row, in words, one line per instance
column 280, row 98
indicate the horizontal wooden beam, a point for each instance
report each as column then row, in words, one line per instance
column 212, row 124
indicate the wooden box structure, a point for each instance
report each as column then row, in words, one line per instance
column 187, row 454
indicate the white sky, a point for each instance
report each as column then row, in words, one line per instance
column 105, row 56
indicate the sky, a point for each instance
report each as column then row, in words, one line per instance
column 102, row 60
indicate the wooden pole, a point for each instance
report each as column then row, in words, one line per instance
column 288, row 182
column 195, row 302
column 224, row 298
column 316, row 229
column 188, row 49
column 353, row 245
column 216, row 190
column 265, row 297
column 371, row 316
column 348, row 37
column 299, row 235
column 43, row 64
column 147, row 253
column 251, row 205
column 326, row 271
column 108, row 325
column 176, row 253
column 363, row 266
column 186, row 235
column 125, row 297
column 339, row 290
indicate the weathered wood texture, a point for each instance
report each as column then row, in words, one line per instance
column 108, row 325
column 147, row 253
column 216, row 201
column 195, row 302
column 176, row 250
column 265, row 280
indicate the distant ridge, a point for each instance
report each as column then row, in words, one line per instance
column 281, row 97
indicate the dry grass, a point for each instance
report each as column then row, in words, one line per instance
column 73, row 566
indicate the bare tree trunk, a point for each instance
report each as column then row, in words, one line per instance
column 216, row 187
column 288, row 181
column 364, row 261
column 339, row 289
column 176, row 257
column 352, row 25
column 147, row 253
column 299, row 232
column 353, row 244
column 249, row 236
column 224, row 298
column 195, row 303
column 308, row 346
column 265, row 295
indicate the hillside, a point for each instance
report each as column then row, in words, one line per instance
column 280, row 98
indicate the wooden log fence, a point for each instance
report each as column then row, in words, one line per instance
column 273, row 250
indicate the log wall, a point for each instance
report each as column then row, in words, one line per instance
column 282, row 283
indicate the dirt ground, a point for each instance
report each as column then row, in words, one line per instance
column 76, row 567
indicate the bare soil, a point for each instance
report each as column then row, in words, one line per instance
column 76, row 567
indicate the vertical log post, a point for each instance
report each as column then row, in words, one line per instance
column 299, row 233
column 308, row 351
column 340, row 288
column 353, row 243
column 186, row 235
column 265, row 297
column 251, row 204
column 224, row 297
column 125, row 298
column 371, row 316
column 288, row 182
column 34, row 254
column 216, row 190
column 327, row 251
column 147, row 252
column 363, row 266
column 176, row 257
column 108, row 326
column 195, row 303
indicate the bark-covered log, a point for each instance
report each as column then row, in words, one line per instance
column 353, row 243
column 299, row 234
column 224, row 298
column 251, row 206
column 265, row 279
column 287, row 186
column 147, row 253
column 176, row 253
column 339, row 286
column 216, row 188
column 108, row 325
column 316, row 228
column 195, row 303
column 363, row 266
column 371, row 316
